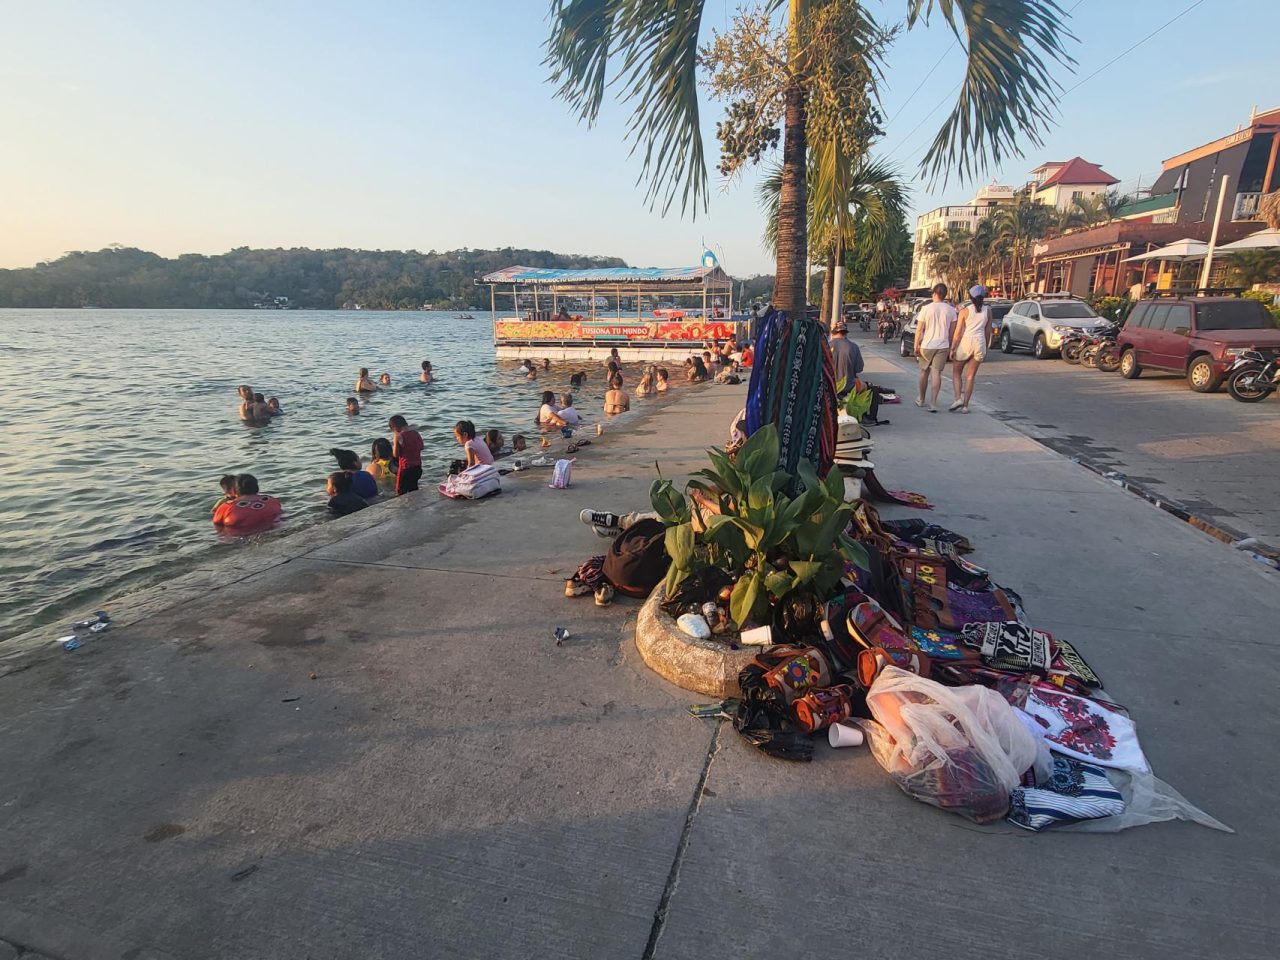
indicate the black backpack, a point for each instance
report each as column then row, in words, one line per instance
column 637, row 559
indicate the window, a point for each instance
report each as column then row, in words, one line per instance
column 1067, row 311
column 1077, row 194
column 1179, row 319
column 1157, row 315
column 1233, row 315
column 1139, row 316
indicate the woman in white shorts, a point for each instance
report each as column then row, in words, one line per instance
column 969, row 346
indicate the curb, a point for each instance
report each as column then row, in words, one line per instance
column 708, row 667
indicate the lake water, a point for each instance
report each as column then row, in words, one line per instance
column 117, row 425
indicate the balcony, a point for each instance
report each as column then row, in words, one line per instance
column 1246, row 206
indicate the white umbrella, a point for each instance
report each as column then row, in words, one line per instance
column 1255, row 241
column 1185, row 249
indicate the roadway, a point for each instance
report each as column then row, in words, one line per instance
column 1213, row 456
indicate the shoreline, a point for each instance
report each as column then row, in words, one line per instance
column 209, row 573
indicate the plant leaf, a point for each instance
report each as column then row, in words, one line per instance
column 745, row 598
column 760, row 453
column 680, row 542
column 805, row 570
column 779, row 583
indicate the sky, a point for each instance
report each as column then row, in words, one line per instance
column 183, row 127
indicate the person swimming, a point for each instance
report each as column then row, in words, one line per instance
column 363, row 383
column 646, row 385
column 616, row 399
column 273, row 405
column 518, row 442
column 384, row 379
column 493, row 439
column 246, row 401
column 426, row 376
column 353, row 407
column 578, row 379
column 661, row 382
column 261, row 412
column 549, row 413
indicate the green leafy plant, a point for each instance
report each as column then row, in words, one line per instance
column 738, row 518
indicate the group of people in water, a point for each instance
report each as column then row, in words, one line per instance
column 394, row 465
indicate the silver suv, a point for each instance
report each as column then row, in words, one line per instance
column 1038, row 323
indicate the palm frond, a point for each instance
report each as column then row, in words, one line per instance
column 769, row 192
column 655, row 47
column 1008, row 94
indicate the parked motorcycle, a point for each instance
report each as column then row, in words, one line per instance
column 1072, row 344
column 1253, row 377
column 1100, row 351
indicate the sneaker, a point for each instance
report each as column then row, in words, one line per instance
column 604, row 595
column 600, row 519
column 956, row 406
column 964, row 409
column 573, row 587
column 933, row 408
column 919, row 402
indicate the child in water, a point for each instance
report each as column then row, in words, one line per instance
column 362, row 483
column 363, row 383
column 342, row 499
column 274, row 406
column 353, row 407
column 381, row 465
column 261, row 412
column 518, row 443
column 229, row 491
column 493, row 440
column 660, row 381
column 426, row 376
column 384, row 379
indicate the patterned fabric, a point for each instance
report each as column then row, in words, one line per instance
column 939, row 644
column 963, row 607
column 1075, row 791
column 1068, row 660
column 592, row 571
column 1010, row 645
column 1085, row 729
column 793, row 386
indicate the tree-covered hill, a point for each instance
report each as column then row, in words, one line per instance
column 323, row 279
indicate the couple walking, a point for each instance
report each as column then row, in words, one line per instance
column 940, row 335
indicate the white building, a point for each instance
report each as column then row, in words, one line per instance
column 1061, row 184
column 940, row 218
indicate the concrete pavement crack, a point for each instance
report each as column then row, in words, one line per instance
column 673, row 876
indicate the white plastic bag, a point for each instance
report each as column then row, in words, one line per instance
column 959, row 748
column 561, row 475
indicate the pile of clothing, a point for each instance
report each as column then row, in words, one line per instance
column 962, row 700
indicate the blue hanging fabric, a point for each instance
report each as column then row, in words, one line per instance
column 793, row 386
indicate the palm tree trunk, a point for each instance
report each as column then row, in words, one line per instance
column 828, row 285
column 789, row 291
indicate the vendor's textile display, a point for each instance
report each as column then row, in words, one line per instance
column 793, row 386
column 963, row 701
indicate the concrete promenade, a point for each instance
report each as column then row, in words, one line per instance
column 372, row 747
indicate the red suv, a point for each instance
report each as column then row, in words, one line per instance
column 1196, row 336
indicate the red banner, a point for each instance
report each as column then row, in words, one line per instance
column 693, row 330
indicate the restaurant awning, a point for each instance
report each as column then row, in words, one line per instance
column 1185, row 249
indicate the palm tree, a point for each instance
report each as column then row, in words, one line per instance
column 649, row 50
column 957, row 254
column 866, row 223
column 1018, row 226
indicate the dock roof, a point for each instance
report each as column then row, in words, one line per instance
column 630, row 276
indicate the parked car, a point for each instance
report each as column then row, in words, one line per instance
column 1038, row 324
column 907, row 338
column 1199, row 337
column 1000, row 308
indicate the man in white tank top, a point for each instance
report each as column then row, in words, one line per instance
column 969, row 346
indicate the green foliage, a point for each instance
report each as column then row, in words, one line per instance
column 858, row 403
column 1255, row 266
column 311, row 279
column 774, row 544
column 1113, row 308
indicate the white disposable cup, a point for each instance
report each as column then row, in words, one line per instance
column 757, row 637
column 841, row 735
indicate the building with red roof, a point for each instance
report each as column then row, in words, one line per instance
column 1061, row 184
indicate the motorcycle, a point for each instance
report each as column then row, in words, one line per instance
column 888, row 329
column 864, row 322
column 1253, row 377
column 1072, row 344
column 1100, row 351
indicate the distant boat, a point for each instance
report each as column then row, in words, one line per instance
column 464, row 316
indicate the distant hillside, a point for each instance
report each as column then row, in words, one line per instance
column 316, row 279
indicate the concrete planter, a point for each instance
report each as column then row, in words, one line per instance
column 704, row 666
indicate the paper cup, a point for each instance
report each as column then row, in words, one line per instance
column 757, row 637
column 842, row 735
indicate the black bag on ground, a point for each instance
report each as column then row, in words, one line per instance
column 637, row 559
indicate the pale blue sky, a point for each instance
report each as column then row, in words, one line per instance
column 193, row 127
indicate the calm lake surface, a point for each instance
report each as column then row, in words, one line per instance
column 117, row 425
